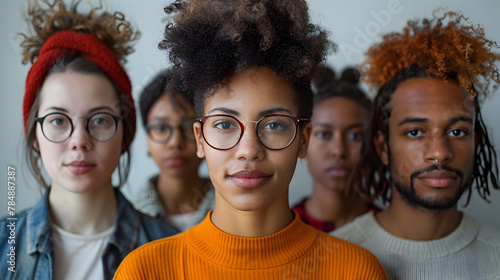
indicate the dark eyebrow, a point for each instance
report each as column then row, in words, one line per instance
column 412, row 120
column 275, row 110
column 323, row 125
column 261, row 114
column 451, row 120
column 224, row 110
column 461, row 119
column 56, row 109
column 160, row 119
column 90, row 111
column 356, row 125
column 100, row 108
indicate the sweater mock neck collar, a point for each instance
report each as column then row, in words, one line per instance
column 235, row 252
column 463, row 235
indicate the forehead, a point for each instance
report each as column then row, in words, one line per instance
column 70, row 89
column 254, row 90
column 166, row 106
column 431, row 98
column 339, row 109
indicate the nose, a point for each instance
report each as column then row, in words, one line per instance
column 337, row 147
column 80, row 138
column 177, row 139
column 249, row 146
column 437, row 149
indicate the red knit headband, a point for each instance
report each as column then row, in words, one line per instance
column 84, row 45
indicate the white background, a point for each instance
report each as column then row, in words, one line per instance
column 355, row 25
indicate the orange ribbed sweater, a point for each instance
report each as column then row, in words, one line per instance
column 295, row 252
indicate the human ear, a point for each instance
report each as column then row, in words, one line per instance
column 200, row 150
column 305, row 134
column 36, row 146
column 380, row 143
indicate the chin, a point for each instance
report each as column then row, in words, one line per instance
column 337, row 186
column 248, row 204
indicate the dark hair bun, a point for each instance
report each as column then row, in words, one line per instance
column 351, row 75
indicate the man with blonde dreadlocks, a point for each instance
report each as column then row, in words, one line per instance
column 428, row 145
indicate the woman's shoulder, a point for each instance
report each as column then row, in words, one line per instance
column 351, row 257
column 161, row 248
column 12, row 224
column 35, row 215
column 152, row 258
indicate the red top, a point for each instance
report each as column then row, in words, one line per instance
column 325, row 226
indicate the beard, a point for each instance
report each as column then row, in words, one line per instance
column 409, row 193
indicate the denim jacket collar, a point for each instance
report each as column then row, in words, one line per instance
column 39, row 226
column 127, row 225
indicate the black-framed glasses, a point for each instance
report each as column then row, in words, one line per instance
column 275, row 131
column 58, row 127
column 161, row 133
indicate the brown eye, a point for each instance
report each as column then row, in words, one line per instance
column 457, row 133
column 325, row 135
column 414, row 133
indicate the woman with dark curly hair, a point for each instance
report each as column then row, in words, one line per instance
column 177, row 194
column 340, row 116
column 79, row 122
column 249, row 65
column 428, row 145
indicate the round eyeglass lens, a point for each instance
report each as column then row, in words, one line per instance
column 57, row 127
column 276, row 132
column 102, row 126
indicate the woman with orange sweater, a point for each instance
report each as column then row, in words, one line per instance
column 249, row 65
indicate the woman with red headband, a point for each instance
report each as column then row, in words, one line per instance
column 79, row 122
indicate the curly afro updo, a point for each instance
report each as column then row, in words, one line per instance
column 211, row 40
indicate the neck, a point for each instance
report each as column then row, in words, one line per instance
column 83, row 213
column 257, row 223
column 417, row 223
column 180, row 195
column 334, row 206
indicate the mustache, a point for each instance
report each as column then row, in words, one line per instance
column 437, row 167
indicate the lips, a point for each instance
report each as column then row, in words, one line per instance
column 338, row 172
column 174, row 160
column 437, row 178
column 250, row 179
column 80, row 167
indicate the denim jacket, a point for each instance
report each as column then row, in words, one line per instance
column 34, row 250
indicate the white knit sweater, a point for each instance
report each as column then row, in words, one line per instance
column 469, row 252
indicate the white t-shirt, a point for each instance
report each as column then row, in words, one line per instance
column 79, row 256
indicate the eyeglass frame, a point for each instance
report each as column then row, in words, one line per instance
column 296, row 120
column 172, row 128
column 40, row 120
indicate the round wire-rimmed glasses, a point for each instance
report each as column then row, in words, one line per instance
column 161, row 133
column 274, row 131
column 58, row 127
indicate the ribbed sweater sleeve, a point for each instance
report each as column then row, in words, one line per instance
column 296, row 252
